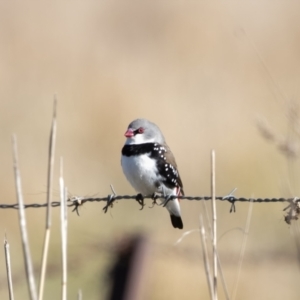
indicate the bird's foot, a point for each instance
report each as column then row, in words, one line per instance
column 154, row 198
column 140, row 199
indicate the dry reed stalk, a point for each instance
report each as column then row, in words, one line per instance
column 8, row 269
column 295, row 230
column 51, row 155
column 64, row 223
column 23, row 227
column 214, row 225
column 205, row 258
column 243, row 248
column 224, row 284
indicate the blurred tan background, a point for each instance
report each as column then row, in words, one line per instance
column 204, row 72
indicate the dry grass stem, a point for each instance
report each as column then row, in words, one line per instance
column 51, row 155
column 23, row 228
column 185, row 234
column 8, row 269
column 211, row 230
column 205, row 258
column 224, row 284
column 243, row 248
column 296, row 234
column 214, row 225
column 64, row 223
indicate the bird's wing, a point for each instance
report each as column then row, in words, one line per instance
column 167, row 168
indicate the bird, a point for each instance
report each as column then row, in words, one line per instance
column 150, row 166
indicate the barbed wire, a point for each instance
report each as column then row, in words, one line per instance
column 78, row 201
column 293, row 209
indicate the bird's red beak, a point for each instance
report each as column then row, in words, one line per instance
column 129, row 133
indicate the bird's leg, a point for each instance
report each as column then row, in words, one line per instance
column 154, row 198
column 140, row 199
column 167, row 197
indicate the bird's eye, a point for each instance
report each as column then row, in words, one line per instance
column 141, row 130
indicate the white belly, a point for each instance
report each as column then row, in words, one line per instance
column 141, row 172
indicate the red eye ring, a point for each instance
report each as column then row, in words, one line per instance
column 141, row 130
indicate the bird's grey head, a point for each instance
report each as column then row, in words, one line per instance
column 143, row 131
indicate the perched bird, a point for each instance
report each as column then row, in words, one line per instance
column 150, row 166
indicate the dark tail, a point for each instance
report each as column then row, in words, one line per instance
column 176, row 222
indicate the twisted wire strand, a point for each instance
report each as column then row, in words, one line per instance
column 77, row 201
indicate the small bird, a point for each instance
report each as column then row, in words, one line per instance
column 150, row 166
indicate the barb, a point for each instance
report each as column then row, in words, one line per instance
column 110, row 199
column 293, row 210
column 230, row 198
